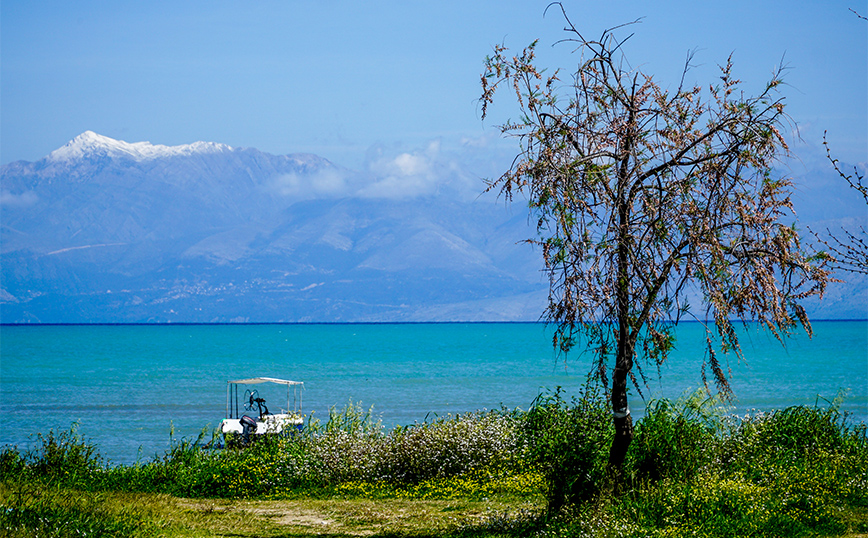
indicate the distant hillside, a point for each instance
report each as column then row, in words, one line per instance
column 105, row 231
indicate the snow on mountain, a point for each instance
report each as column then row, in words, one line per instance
column 91, row 143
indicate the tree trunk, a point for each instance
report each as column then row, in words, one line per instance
column 624, row 360
column 620, row 412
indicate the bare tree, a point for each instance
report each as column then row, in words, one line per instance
column 849, row 249
column 642, row 195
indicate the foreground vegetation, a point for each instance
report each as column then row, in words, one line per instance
column 693, row 470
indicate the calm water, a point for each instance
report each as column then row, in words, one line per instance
column 127, row 385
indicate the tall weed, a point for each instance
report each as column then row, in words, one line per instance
column 27, row 510
column 793, row 437
column 676, row 439
column 61, row 458
column 569, row 445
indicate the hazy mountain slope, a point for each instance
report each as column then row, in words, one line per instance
column 106, row 231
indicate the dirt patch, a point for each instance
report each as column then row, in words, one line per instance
column 292, row 516
column 348, row 517
column 314, row 517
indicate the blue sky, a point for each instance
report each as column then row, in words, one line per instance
column 346, row 80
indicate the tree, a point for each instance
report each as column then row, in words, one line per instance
column 643, row 196
column 850, row 249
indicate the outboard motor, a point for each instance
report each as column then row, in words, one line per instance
column 248, row 425
column 263, row 409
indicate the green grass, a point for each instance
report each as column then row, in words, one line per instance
column 77, row 513
column 692, row 470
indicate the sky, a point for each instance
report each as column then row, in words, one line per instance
column 352, row 81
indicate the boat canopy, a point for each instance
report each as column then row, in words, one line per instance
column 234, row 411
column 255, row 380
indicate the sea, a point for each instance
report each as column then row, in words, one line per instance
column 132, row 390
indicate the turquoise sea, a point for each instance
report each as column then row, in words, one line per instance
column 128, row 386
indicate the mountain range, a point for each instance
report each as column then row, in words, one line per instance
column 105, row 231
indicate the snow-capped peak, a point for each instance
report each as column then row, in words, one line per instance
column 91, row 143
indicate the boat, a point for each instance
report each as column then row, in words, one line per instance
column 249, row 415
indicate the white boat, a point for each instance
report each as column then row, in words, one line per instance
column 249, row 414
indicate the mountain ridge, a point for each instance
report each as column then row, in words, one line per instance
column 89, row 143
column 236, row 234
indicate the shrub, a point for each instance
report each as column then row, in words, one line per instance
column 676, row 440
column 63, row 458
column 450, row 446
column 799, row 471
column 12, row 463
column 345, row 448
column 791, row 437
column 569, row 444
column 351, row 447
column 795, row 472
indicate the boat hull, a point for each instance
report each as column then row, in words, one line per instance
column 267, row 424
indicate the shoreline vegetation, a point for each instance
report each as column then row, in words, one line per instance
column 694, row 469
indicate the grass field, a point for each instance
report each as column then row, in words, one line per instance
column 148, row 514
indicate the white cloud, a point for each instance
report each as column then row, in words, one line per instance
column 411, row 165
column 413, row 174
column 483, row 141
column 400, row 174
column 324, row 184
column 406, row 175
column 24, row 199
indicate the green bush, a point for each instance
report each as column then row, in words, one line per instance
column 795, row 472
column 347, row 447
column 171, row 473
column 787, row 437
column 676, row 439
column 12, row 463
column 569, row 445
column 350, row 447
column 63, row 458
column 450, row 446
